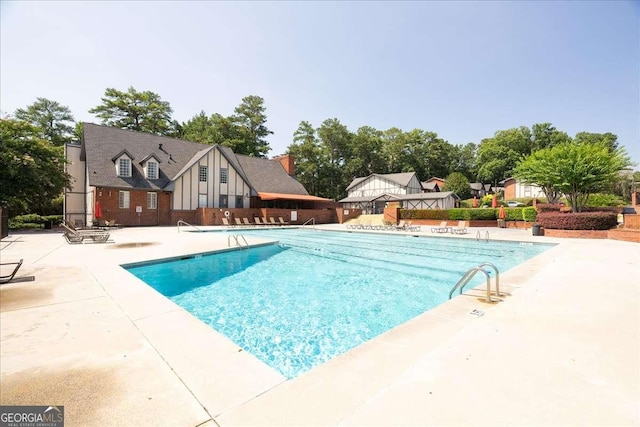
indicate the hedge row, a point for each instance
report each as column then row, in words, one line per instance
column 33, row 221
column 457, row 214
column 578, row 221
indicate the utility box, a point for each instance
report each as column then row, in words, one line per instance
column 536, row 229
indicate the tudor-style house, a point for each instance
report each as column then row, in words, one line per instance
column 135, row 178
column 374, row 192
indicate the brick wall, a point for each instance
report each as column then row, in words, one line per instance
column 392, row 214
column 109, row 205
column 632, row 221
column 353, row 213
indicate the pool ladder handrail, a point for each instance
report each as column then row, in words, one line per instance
column 310, row 220
column 182, row 222
column 466, row 278
column 486, row 236
column 237, row 237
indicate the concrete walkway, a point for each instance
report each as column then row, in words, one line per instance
column 562, row 349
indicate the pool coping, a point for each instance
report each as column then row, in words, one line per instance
column 253, row 393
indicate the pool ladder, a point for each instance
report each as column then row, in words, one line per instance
column 466, row 278
column 312, row 221
column 239, row 239
column 486, row 236
column 181, row 222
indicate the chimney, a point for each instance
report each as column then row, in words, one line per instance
column 286, row 160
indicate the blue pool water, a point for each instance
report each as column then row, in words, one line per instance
column 317, row 294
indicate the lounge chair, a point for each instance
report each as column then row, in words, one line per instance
column 226, row 222
column 238, row 222
column 245, row 221
column 264, row 220
column 442, row 228
column 78, row 236
column 282, row 221
column 273, row 221
column 257, row 221
column 402, row 225
column 9, row 277
column 461, row 228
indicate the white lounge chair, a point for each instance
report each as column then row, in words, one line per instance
column 461, row 228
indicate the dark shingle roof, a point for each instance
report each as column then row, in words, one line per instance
column 102, row 143
column 268, row 176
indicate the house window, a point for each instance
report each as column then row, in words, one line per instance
column 239, row 203
column 124, row 167
column 224, row 201
column 224, row 175
column 202, row 200
column 203, row 174
column 152, row 200
column 152, row 170
column 123, row 200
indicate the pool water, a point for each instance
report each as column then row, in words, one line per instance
column 317, row 294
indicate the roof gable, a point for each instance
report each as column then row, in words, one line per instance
column 268, row 176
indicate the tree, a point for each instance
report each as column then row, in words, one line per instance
column 459, row 184
column 365, row 153
column 335, row 140
column 32, row 168
column 610, row 139
column 497, row 156
column 140, row 111
column 54, row 121
column 576, row 170
column 545, row 135
column 308, row 157
column 463, row 160
column 250, row 116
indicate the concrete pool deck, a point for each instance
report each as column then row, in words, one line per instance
column 563, row 348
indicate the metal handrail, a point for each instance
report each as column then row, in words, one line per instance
column 237, row 240
column 486, row 236
column 186, row 223
column 466, row 278
column 313, row 220
column 488, row 264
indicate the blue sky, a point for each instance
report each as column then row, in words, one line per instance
column 461, row 69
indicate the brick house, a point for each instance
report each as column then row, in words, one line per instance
column 142, row 179
column 515, row 189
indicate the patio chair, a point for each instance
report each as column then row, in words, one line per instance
column 442, row 228
column 245, row 221
column 461, row 228
column 402, row 225
column 74, row 236
column 238, row 222
column 226, row 222
column 9, row 277
column 257, row 221
column 282, row 221
column 273, row 221
column 264, row 220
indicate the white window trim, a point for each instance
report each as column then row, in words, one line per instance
column 152, row 200
column 156, row 170
column 206, row 174
column 119, row 168
column 124, row 199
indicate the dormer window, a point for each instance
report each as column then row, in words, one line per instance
column 152, row 170
column 124, row 167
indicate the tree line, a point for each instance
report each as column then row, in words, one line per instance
column 327, row 158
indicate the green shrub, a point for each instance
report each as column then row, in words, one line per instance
column 440, row 214
column 460, row 214
column 601, row 199
column 529, row 213
column 483, row 214
column 55, row 219
column 512, row 214
column 578, row 221
column 29, row 218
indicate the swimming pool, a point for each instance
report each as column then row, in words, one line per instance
column 317, row 294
